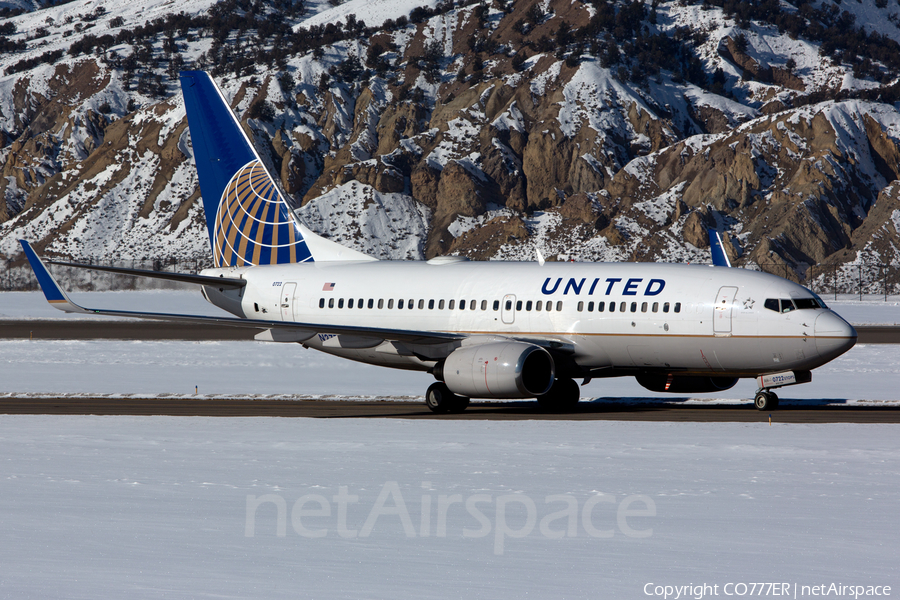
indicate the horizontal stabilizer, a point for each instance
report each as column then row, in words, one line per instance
column 52, row 291
column 220, row 282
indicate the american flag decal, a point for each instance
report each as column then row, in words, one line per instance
column 328, row 287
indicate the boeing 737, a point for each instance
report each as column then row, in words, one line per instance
column 482, row 329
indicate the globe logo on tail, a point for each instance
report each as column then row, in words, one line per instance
column 253, row 226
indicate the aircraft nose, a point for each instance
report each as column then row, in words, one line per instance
column 834, row 335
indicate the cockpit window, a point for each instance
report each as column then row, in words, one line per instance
column 786, row 305
column 803, row 303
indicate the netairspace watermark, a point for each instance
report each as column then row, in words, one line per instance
column 503, row 516
column 781, row 589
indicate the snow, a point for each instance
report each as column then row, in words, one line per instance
column 384, row 225
column 594, row 96
column 150, row 507
column 370, row 12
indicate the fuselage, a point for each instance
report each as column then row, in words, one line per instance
column 692, row 319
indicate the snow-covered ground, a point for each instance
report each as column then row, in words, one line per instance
column 115, row 507
column 867, row 373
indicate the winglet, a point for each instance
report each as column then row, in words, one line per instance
column 54, row 294
column 719, row 258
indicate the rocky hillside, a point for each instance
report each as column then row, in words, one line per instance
column 590, row 130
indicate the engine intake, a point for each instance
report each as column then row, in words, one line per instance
column 498, row 370
column 684, row 384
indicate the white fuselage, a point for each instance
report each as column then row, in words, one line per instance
column 694, row 319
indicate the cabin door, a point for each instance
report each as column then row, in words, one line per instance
column 287, row 301
column 723, row 309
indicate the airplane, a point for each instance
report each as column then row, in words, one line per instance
column 483, row 329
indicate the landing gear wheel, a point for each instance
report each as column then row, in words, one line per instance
column 562, row 396
column 439, row 399
column 459, row 404
column 765, row 400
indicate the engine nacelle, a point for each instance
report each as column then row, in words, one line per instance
column 498, row 370
column 684, row 384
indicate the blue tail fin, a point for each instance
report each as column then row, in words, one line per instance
column 248, row 220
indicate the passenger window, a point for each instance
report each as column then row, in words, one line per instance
column 518, row 305
column 350, row 303
column 431, row 305
column 462, row 305
column 341, row 303
column 559, row 306
column 656, row 307
column 421, row 304
column 331, row 303
column 665, row 307
column 678, row 307
column 390, row 303
column 450, row 305
column 473, row 304
column 440, row 305
column 361, row 303
column 400, row 303
column 579, row 307
column 634, row 307
column 786, row 305
column 601, row 306
column 612, row 307
column 380, row 303
column 372, row 303
column 643, row 307
column 496, row 305
column 549, row 305
column 539, row 305
column 590, row 307
column 321, row 304
column 528, row 305
column 621, row 307
column 411, row 304
column 484, row 305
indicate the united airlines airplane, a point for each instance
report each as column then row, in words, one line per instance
column 482, row 329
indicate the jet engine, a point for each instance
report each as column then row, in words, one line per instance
column 684, row 384
column 498, row 370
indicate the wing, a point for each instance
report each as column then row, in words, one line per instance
column 279, row 330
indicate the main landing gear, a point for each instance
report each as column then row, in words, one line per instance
column 440, row 399
column 563, row 395
column 765, row 400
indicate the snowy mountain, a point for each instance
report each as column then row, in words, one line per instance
column 591, row 130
